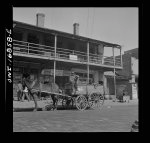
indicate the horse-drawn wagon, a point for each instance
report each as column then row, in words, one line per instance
column 85, row 95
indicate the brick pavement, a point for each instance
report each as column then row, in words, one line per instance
column 114, row 119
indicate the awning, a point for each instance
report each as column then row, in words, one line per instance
column 111, row 75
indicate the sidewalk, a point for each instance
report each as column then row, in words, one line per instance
column 30, row 104
column 41, row 104
column 111, row 103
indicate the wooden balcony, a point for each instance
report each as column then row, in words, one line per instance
column 47, row 52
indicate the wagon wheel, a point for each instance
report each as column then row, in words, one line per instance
column 95, row 100
column 81, row 102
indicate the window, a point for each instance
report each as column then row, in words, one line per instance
column 80, row 74
column 18, row 69
column 49, row 40
column 33, row 38
column 91, row 75
column 34, row 71
column 17, row 35
column 59, row 44
column 71, row 46
column 60, row 41
column 83, row 77
column 93, row 49
column 81, row 46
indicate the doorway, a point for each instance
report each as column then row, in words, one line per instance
column 61, row 81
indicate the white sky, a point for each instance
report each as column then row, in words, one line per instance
column 114, row 25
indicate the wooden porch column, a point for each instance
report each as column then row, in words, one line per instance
column 114, row 71
column 55, row 57
column 121, row 56
column 88, row 70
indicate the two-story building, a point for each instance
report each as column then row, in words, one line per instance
column 51, row 53
column 127, row 78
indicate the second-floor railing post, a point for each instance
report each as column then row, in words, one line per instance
column 120, row 57
column 28, row 47
column 55, row 57
column 88, row 70
column 55, row 46
column 114, row 72
column 102, row 59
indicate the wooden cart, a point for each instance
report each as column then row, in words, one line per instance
column 86, row 95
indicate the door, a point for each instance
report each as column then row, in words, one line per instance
column 134, row 91
column 61, row 81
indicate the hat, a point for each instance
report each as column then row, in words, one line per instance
column 72, row 73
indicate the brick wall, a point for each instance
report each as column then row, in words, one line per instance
column 119, row 84
column 127, row 85
column 133, row 52
column 126, row 71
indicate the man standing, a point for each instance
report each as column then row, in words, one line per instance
column 25, row 94
column 74, row 81
column 25, row 88
column 29, row 85
column 19, row 91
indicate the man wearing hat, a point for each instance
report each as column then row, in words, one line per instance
column 27, row 83
column 26, row 76
column 74, row 81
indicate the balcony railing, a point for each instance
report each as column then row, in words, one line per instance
column 61, row 53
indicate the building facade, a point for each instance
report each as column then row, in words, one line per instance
column 127, row 78
column 45, row 53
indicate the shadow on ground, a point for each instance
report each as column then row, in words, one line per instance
column 41, row 109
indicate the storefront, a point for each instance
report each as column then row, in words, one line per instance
column 62, row 76
column 21, row 67
column 122, row 84
column 17, row 74
column 46, row 75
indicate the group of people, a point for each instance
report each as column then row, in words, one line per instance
column 22, row 92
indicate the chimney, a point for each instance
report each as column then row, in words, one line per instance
column 40, row 19
column 76, row 28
